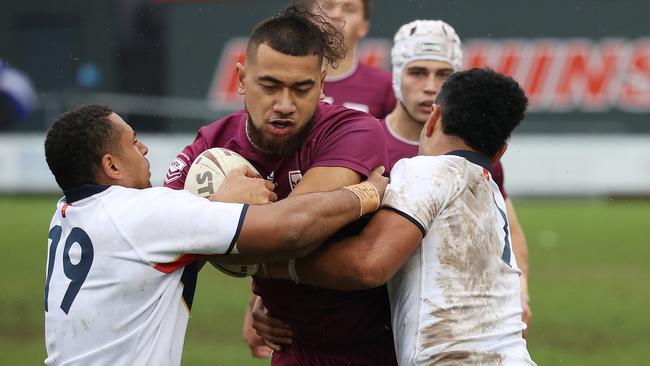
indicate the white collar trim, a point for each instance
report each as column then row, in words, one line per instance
column 398, row 137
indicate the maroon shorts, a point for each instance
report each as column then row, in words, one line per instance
column 379, row 353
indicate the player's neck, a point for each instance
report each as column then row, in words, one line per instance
column 440, row 144
column 345, row 66
column 403, row 125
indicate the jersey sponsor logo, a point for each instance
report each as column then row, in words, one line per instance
column 223, row 93
column 175, row 170
column 294, row 178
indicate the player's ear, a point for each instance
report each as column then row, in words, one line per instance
column 434, row 118
column 241, row 74
column 109, row 170
column 500, row 153
column 323, row 75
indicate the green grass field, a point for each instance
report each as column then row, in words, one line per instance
column 589, row 286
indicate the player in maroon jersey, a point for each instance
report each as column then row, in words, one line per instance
column 304, row 146
column 352, row 83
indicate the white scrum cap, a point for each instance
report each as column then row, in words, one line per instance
column 424, row 40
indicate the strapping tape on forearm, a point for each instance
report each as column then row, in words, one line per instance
column 368, row 196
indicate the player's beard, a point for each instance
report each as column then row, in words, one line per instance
column 279, row 148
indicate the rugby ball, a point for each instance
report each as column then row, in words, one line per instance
column 205, row 176
column 207, row 172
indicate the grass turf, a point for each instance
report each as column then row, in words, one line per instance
column 589, row 263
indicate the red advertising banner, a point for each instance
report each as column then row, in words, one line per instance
column 559, row 75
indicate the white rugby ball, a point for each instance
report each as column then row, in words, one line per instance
column 205, row 176
column 207, row 172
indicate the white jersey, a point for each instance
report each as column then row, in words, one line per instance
column 119, row 284
column 457, row 298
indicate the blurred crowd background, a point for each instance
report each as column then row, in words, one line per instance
column 168, row 67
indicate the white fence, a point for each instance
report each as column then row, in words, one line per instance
column 535, row 165
column 560, row 165
column 23, row 167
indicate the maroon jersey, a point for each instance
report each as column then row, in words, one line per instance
column 330, row 327
column 498, row 176
column 397, row 147
column 400, row 148
column 367, row 88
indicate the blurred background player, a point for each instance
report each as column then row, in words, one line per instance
column 442, row 240
column 352, row 83
column 119, row 293
column 425, row 53
column 304, row 146
column 17, row 96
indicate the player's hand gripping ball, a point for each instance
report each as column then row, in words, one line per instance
column 205, row 176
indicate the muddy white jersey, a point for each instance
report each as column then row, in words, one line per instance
column 457, row 298
column 121, row 274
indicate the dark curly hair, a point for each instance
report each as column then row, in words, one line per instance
column 297, row 31
column 482, row 107
column 365, row 6
column 76, row 143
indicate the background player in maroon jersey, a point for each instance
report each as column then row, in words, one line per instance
column 352, row 83
column 304, row 146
